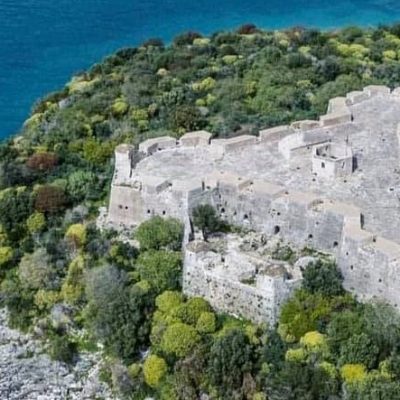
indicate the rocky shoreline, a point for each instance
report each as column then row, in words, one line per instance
column 28, row 373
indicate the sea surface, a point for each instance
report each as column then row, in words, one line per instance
column 44, row 42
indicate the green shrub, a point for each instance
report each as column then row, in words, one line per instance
column 179, row 339
column 160, row 233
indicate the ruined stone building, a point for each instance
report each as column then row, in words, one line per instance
column 332, row 185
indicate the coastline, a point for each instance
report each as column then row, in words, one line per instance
column 48, row 63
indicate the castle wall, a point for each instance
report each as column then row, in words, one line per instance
column 369, row 264
column 259, row 302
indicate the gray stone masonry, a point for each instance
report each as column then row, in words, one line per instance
column 238, row 275
column 267, row 183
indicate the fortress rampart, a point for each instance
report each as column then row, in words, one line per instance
column 170, row 177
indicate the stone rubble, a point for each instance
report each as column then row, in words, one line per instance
column 28, row 373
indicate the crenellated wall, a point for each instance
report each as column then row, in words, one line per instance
column 370, row 264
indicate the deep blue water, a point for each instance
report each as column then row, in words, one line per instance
column 44, row 42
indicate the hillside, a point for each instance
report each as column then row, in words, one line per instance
column 78, row 288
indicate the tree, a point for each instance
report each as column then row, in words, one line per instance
column 96, row 152
column 231, row 356
column 359, row 349
column 247, row 29
column 342, row 327
column 301, row 314
column 116, row 313
column 162, row 269
column 179, row 339
column 186, row 118
column 50, row 199
column 190, row 311
column 205, row 218
column 302, row 381
column 154, row 369
column 79, row 184
column 323, row 277
column 35, row 270
column 374, row 387
column 160, row 233
column 43, row 161
column 62, row 349
column 15, row 208
column 189, row 375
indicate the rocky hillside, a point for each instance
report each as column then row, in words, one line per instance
column 27, row 372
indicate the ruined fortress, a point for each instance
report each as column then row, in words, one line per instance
column 332, row 185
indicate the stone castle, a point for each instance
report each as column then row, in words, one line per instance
column 332, row 185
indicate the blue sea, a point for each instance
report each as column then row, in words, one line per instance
column 44, row 42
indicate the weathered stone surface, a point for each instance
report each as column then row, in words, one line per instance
column 27, row 372
column 238, row 275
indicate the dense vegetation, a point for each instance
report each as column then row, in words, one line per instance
column 80, row 287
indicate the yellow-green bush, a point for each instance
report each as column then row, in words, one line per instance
column 205, row 85
column 259, row 396
column 73, row 287
column 36, row 222
column 296, row 355
column 119, row 107
column 329, row 369
column 201, row 42
column 169, row 300
column 206, row 322
column 389, row 55
column 353, row 50
column 33, row 120
column 76, row 233
column 314, row 341
column 353, row 373
column 154, row 369
column 230, row 59
column 79, row 84
column 45, row 299
column 179, row 339
column 6, row 255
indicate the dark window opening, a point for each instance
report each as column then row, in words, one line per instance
column 322, row 165
column 148, row 211
column 163, row 213
column 245, row 217
column 380, row 280
column 126, row 207
column 335, row 244
column 277, row 229
column 351, row 267
column 222, row 210
column 310, row 236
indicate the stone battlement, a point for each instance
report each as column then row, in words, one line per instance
column 331, row 184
